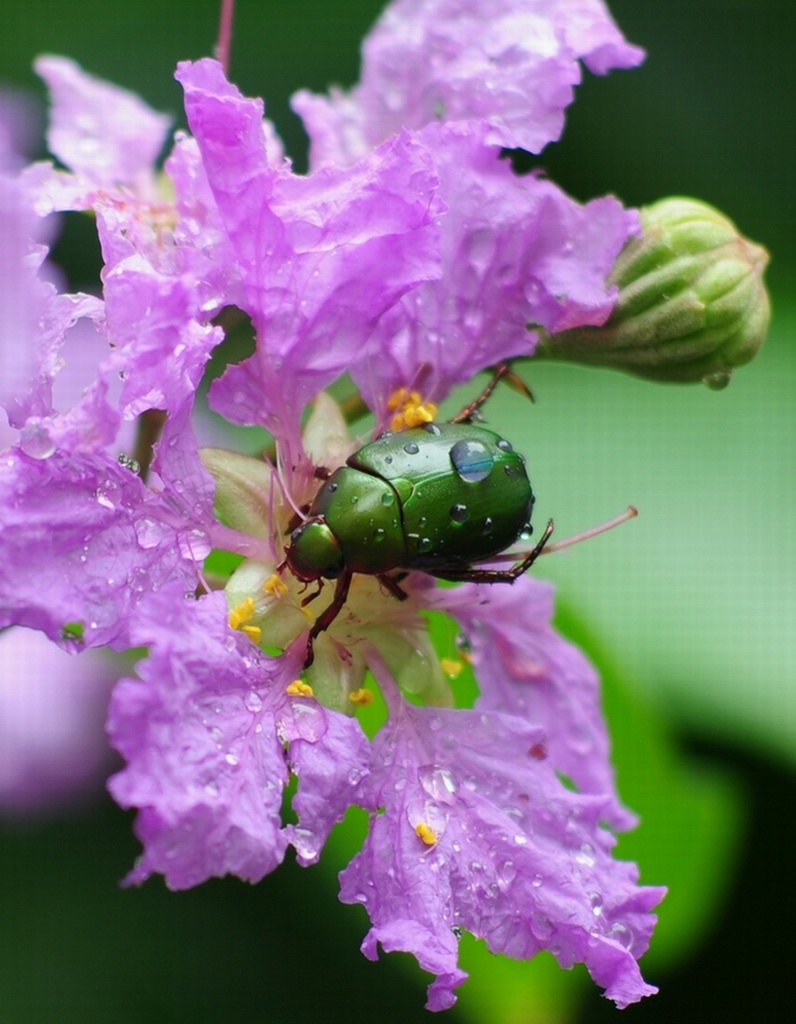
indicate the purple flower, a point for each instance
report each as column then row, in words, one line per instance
column 510, row 63
column 411, row 257
column 478, row 832
column 211, row 735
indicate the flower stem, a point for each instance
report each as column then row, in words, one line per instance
column 224, row 44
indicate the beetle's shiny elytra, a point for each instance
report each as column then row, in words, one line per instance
column 440, row 498
column 436, row 497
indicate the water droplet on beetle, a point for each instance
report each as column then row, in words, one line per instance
column 472, row 460
column 388, row 459
column 431, row 428
column 488, row 526
column 388, row 498
column 378, row 535
column 411, row 448
column 505, row 446
column 459, row 513
column 424, row 545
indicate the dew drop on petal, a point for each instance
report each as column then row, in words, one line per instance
column 148, row 532
column 585, row 855
column 253, row 701
column 194, row 544
column 622, row 934
column 438, row 782
column 35, row 441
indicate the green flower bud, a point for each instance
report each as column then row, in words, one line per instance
column 692, row 304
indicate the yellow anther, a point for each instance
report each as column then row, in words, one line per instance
column 363, row 697
column 254, row 633
column 275, row 586
column 450, row 667
column 410, row 409
column 426, row 833
column 298, row 688
column 241, row 613
column 417, row 415
column 308, row 614
column 398, row 398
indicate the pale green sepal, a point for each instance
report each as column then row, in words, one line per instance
column 325, row 437
column 279, row 618
column 413, row 663
column 244, row 496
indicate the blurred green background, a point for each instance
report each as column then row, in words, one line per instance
column 690, row 611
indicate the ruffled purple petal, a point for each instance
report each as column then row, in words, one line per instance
column 525, row 668
column 83, row 541
column 105, row 134
column 478, row 833
column 330, row 774
column 320, row 258
column 210, row 736
column 510, row 63
column 160, row 348
column 516, row 252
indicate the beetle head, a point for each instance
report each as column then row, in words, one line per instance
column 314, row 551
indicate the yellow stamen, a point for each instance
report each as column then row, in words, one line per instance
column 362, row 696
column 254, row 633
column 426, row 833
column 275, row 586
column 298, row 688
column 410, row 409
column 241, row 613
column 450, row 667
column 308, row 615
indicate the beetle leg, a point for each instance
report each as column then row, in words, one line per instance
column 311, row 597
column 392, row 583
column 330, row 614
column 499, row 575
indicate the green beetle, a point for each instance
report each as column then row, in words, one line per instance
column 440, row 498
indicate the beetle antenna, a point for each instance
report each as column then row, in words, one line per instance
column 630, row 513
